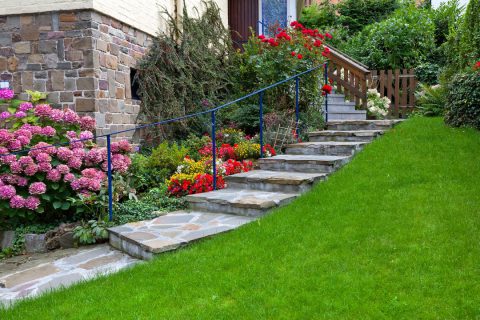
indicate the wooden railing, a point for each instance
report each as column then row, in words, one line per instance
column 398, row 86
column 349, row 77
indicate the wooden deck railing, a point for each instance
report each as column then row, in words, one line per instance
column 349, row 77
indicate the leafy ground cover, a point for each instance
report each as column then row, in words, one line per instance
column 394, row 235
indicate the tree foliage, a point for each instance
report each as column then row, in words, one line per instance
column 404, row 40
column 187, row 69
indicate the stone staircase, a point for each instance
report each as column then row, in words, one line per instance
column 278, row 181
column 339, row 109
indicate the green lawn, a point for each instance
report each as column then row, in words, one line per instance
column 393, row 235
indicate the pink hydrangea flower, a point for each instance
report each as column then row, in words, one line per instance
column 32, row 129
column 17, row 202
column 48, row 131
column 87, row 123
column 23, row 140
column 56, row 115
column 43, row 110
column 95, row 156
column 37, row 188
column 43, row 157
column 20, row 114
column 42, row 147
column 32, row 203
column 6, row 136
column 84, row 135
column 69, row 177
column 31, row 170
column 44, row 166
column 6, row 94
column 71, row 117
column 79, row 153
column 8, row 159
column 120, row 163
column 22, row 181
column 75, row 163
column 63, row 169
column 23, row 132
column 25, row 106
column 16, row 167
column 7, row 192
column 93, row 173
column 14, row 145
column 54, row 175
column 5, row 115
column 64, row 154
column 25, row 160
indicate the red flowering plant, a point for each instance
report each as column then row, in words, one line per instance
column 197, row 176
column 288, row 51
column 60, row 160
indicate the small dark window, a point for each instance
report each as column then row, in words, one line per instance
column 134, row 84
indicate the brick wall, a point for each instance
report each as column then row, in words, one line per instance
column 81, row 58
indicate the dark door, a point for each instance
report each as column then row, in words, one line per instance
column 242, row 15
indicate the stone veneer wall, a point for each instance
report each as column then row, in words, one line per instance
column 81, row 58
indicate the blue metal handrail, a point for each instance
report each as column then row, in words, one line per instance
column 212, row 111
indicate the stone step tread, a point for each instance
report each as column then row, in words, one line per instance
column 359, row 122
column 358, row 133
column 240, row 198
column 276, row 177
column 341, row 104
column 348, row 112
column 305, row 158
column 176, row 229
column 326, row 143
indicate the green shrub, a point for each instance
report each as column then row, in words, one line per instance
column 319, row 16
column 144, row 176
column 167, row 156
column 431, row 101
column 354, row 15
column 151, row 205
column 463, row 46
column 404, row 40
column 463, row 100
column 188, row 68
column 427, row 73
column 194, row 143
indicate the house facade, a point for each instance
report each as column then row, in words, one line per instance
column 83, row 53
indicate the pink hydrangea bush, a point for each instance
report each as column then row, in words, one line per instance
column 55, row 158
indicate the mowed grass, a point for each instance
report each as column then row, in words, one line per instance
column 393, row 235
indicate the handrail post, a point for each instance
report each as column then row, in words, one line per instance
column 109, row 173
column 214, row 152
column 297, row 107
column 260, row 104
column 326, row 93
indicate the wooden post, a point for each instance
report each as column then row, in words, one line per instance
column 397, row 91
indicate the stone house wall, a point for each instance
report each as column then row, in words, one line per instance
column 83, row 59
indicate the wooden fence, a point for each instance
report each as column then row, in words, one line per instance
column 397, row 85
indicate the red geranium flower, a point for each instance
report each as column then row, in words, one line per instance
column 327, row 88
column 328, row 35
column 477, row 65
column 300, row 56
column 261, row 37
column 293, row 53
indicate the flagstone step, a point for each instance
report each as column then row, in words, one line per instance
column 303, row 163
column 362, row 125
column 274, row 181
column 243, row 202
column 336, row 98
column 341, row 107
column 145, row 239
column 345, row 136
column 332, row 148
column 347, row 115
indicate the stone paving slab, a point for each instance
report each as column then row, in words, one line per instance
column 168, row 232
column 328, row 143
column 255, row 199
column 356, row 133
column 305, row 158
column 54, row 272
column 276, row 177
